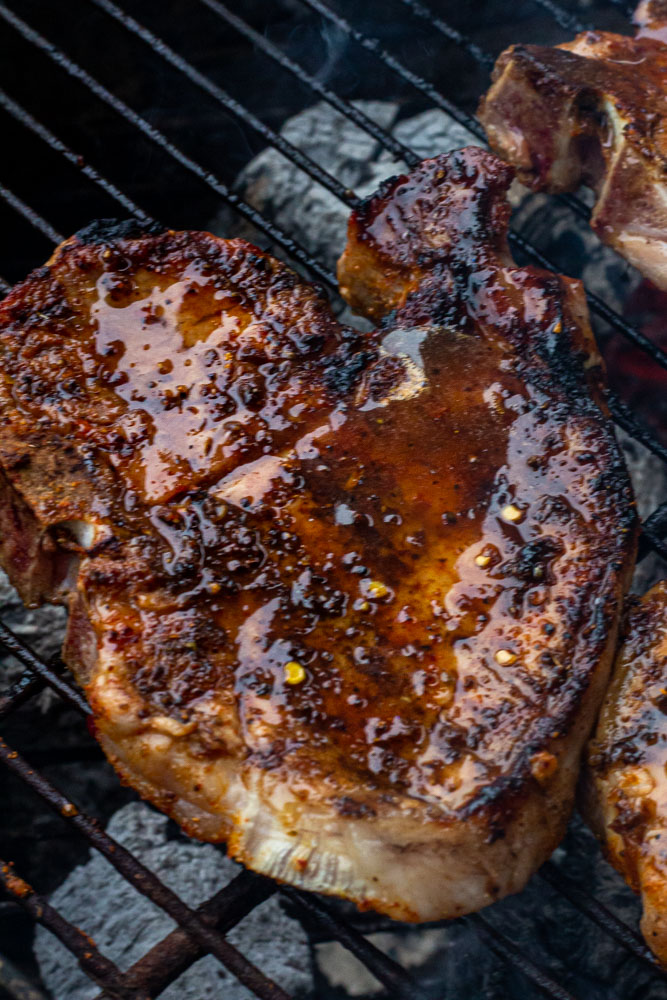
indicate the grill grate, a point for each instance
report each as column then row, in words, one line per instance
column 202, row 930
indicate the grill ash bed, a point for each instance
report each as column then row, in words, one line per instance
column 117, row 110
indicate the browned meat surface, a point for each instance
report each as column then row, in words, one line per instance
column 626, row 781
column 593, row 112
column 344, row 601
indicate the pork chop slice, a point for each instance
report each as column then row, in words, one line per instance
column 625, row 788
column 592, row 111
column 345, row 601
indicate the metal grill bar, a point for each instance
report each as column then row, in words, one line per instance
column 374, row 46
column 599, row 914
column 25, row 118
column 170, row 958
column 385, row 969
column 143, row 879
column 35, row 664
column 452, row 34
column 33, row 217
column 23, row 688
column 510, row 953
column 90, row 958
column 653, row 531
column 649, row 541
column 350, row 111
column 295, row 155
column 289, row 245
column 658, row 519
column 625, row 418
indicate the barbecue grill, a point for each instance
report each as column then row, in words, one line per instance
column 177, row 60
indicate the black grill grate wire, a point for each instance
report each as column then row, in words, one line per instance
column 25, row 118
column 202, row 931
column 562, row 17
column 290, row 246
column 297, row 157
column 312, row 83
column 30, row 215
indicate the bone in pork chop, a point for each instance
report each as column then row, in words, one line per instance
column 625, row 790
column 345, row 601
column 593, row 111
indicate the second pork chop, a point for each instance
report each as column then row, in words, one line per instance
column 592, row 111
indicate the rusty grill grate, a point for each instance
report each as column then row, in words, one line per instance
column 202, row 931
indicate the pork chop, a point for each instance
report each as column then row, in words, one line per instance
column 593, row 111
column 625, row 790
column 345, row 601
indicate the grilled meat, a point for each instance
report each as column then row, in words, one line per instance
column 345, row 601
column 625, row 789
column 593, row 112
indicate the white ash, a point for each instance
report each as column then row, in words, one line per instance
column 125, row 925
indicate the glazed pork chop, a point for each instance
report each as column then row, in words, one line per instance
column 626, row 780
column 345, row 601
column 593, row 112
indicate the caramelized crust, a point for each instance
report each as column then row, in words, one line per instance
column 626, row 781
column 344, row 601
column 592, row 112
